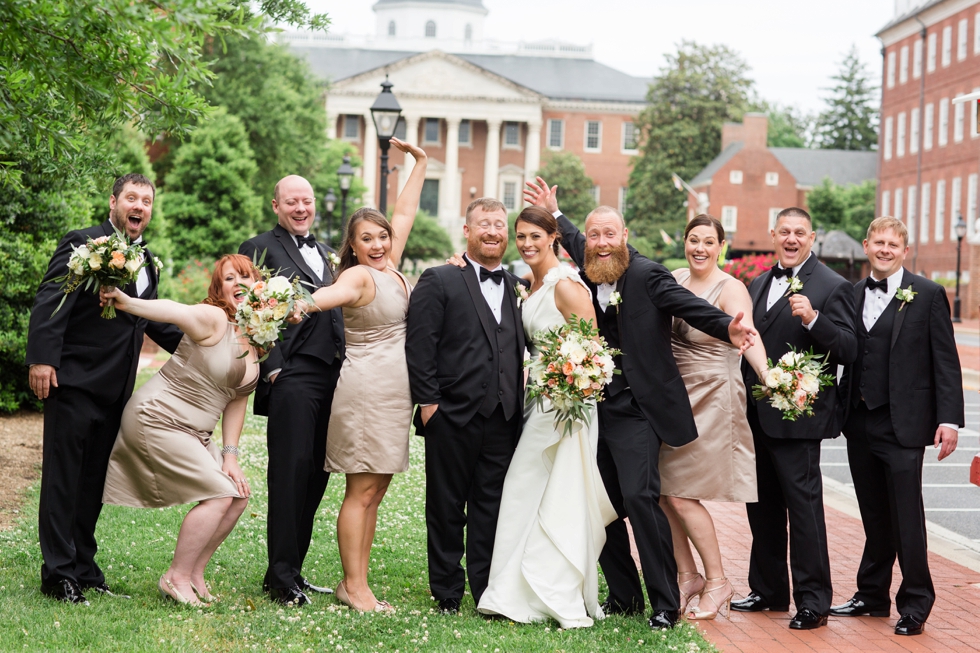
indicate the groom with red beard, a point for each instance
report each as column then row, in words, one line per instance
column 635, row 300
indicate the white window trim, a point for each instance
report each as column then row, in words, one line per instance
column 886, row 202
column 955, row 205
column 889, row 137
column 518, row 181
column 900, row 137
column 729, row 218
column 961, row 39
column 973, row 117
column 976, row 33
column 943, row 137
column 911, row 197
column 622, row 139
column 561, row 145
column 585, row 140
column 735, row 177
column 914, row 131
column 931, row 53
column 899, row 205
column 460, row 141
column 503, row 136
column 927, row 131
column 623, row 198
column 772, row 179
column 940, row 232
column 343, row 127
column 947, row 56
column 891, row 69
column 773, row 213
column 903, row 65
column 917, row 59
column 924, row 212
column 596, row 194
column 958, row 119
column 971, row 207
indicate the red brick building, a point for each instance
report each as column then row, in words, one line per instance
column 929, row 147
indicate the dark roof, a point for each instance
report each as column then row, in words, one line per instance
column 838, row 245
column 810, row 167
column 908, row 14
column 465, row 3
column 709, row 171
column 554, row 77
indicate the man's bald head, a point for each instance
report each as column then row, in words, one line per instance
column 605, row 213
column 294, row 204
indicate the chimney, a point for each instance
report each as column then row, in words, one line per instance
column 731, row 132
column 756, row 130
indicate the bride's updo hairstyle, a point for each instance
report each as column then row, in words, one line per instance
column 705, row 220
column 242, row 265
column 347, row 258
column 540, row 218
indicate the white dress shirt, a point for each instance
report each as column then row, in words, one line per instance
column 143, row 279
column 312, row 257
column 492, row 292
column 876, row 301
column 780, row 286
column 603, row 291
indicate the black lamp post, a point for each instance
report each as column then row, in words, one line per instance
column 329, row 203
column 344, row 173
column 385, row 113
column 960, row 229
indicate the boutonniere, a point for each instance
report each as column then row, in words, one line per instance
column 333, row 259
column 615, row 299
column 906, row 295
column 158, row 264
column 521, row 293
column 795, row 285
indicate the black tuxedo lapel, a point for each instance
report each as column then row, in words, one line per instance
column 327, row 268
column 900, row 317
column 151, row 274
column 292, row 250
column 479, row 301
column 510, row 295
column 759, row 302
column 862, row 285
column 620, row 286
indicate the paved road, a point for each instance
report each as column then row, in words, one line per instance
column 950, row 500
column 968, row 340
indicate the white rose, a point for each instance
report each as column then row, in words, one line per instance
column 82, row 251
column 573, row 350
column 779, row 403
column 788, row 359
column 278, row 286
column 583, row 382
column 133, row 265
column 95, row 262
column 76, row 264
column 810, row 383
column 785, row 378
column 255, row 318
column 772, row 377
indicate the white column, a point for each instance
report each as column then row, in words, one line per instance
column 491, row 161
column 412, row 137
column 449, row 200
column 332, row 124
column 369, row 155
column 532, row 152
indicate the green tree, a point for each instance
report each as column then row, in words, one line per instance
column 849, row 208
column 326, row 179
column 788, row 126
column 427, row 241
column 699, row 89
column 567, row 171
column 210, row 204
column 850, row 121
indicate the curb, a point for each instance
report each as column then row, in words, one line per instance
column 971, row 379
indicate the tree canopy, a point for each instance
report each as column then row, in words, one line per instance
column 850, row 121
column 849, row 208
column 567, row 171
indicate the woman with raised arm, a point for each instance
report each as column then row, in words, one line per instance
column 720, row 464
column 164, row 454
column 372, row 407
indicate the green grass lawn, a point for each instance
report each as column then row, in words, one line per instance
column 136, row 546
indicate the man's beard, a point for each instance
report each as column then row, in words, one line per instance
column 609, row 270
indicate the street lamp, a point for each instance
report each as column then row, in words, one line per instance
column 385, row 112
column 960, row 229
column 344, row 173
column 329, row 203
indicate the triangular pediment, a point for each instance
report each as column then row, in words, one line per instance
column 436, row 75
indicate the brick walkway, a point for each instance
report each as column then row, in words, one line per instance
column 951, row 626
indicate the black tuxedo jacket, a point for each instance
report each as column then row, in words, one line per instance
column 448, row 343
column 91, row 353
column 833, row 335
column 320, row 335
column 925, row 383
column 650, row 298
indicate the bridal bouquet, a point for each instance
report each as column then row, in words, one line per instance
column 106, row 261
column 572, row 367
column 792, row 384
column 261, row 316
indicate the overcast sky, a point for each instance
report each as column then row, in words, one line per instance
column 791, row 46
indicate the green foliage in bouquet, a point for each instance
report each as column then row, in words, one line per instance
column 793, row 383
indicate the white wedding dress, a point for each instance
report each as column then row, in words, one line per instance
column 554, row 508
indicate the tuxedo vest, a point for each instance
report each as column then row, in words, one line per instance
column 874, row 352
column 609, row 328
column 502, row 385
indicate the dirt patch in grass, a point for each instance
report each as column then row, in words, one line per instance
column 20, row 460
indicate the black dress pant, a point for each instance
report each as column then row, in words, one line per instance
column 78, row 436
column 790, row 485
column 888, row 483
column 465, row 468
column 628, row 458
column 299, row 413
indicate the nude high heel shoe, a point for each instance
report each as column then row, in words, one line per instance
column 719, row 597
column 690, row 584
column 172, row 594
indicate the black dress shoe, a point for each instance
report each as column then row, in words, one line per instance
column 857, row 608
column 450, row 606
column 615, row 607
column 104, row 590
column 909, row 625
column 306, row 586
column 291, row 596
column 664, row 619
column 755, row 603
column 807, row 619
column 66, row 590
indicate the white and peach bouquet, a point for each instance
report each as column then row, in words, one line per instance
column 107, row 261
column 793, row 383
column 572, row 366
column 262, row 315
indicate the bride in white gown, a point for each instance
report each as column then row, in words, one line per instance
column 554, row 507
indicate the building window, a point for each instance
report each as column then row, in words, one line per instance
column 430, row 29
column 910, row 212
column 624, row 196
column 924, row 213
column 729, row 218
column 773, row 214
column 900, row 146
column 961, row 41
column 971, row 206
column 401, row 130
column 947, row 45
column 927, row 127
column 512, row 134
column 917, row 59
column 886, row 206
column 432, row 132
column 391, row 28
column 510, row 195
column 891, row 69
column 898, row 204
column 735, row 177
column 903, row 65
column 940, row 210
column 772, row 179
column 593, row 136
column 352, row 128
column 976, row 33
column 931, row 53
column 955, row 198
column 974, row 125
column 889, row 132
column 594, row 192
column 914, row 131
column 629, row 138
column 958, row 121
column 556, row 134
column 943, row 122
column 465, row 132
column 468, row 32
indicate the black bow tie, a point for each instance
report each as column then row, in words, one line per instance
column 496, row 276
column 880, row 285
column 778, row 272
column 309, row 241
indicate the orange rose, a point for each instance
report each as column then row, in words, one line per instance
column 567, row 368
column 118, row 260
